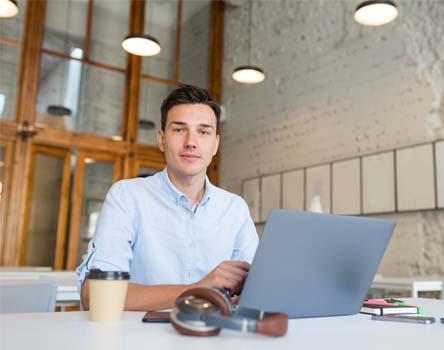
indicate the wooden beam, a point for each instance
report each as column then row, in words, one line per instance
column 178, row 40
column 78, row 140
column 8, row 129
column 30, row 61
column 216, row 50
column 83, row 60
column 62, row 223
column 7, row 146
column 215, row 69
column 88, row 31
column 27, row 210
column 76, row 213
column 25, row 109
column 132, row 87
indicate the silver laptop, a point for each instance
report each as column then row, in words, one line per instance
column 312, row 265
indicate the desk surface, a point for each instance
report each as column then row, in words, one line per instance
column 72, row 330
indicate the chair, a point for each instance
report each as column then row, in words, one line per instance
column 17, row 298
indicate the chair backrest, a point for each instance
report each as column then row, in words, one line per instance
column 16, row 298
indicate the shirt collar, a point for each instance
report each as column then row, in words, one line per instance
column 178, row 196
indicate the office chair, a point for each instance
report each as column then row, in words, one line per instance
column 18, row 298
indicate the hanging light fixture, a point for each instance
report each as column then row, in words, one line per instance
column 141, row 45
column 376, row 13
column 248, row 74
column 8, row 8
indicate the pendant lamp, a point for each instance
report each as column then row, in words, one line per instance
column 141, row 45
column 376, row 13
column 8, row 8
column 248, row 74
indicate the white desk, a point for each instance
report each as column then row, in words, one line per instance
column 412, row 284
column 66, row 282
column 72, row 330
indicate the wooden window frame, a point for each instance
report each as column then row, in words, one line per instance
column 24, row 132
column 61, row 236
column 8, row 146
column 77, row 198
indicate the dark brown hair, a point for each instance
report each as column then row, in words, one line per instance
column 188, row 94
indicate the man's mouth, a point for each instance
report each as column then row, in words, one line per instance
column 189, row 156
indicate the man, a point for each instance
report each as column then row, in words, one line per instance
column 174, row 230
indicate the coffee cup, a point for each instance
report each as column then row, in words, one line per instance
column 107, row 294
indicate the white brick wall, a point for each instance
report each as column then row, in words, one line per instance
column 336, row 89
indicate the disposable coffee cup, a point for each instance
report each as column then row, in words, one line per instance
column 107, row 294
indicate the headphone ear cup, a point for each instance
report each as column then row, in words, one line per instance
column 211, row 295
column 274, row 324
column 184, row 329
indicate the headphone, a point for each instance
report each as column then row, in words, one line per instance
column 203, row 311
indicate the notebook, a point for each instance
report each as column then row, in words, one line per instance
column 381, row 307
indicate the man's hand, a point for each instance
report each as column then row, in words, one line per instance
column 228, row 274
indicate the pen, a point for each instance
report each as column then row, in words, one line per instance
column 394, row 301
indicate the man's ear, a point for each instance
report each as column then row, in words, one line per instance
column 216, row 145
column 161, row 139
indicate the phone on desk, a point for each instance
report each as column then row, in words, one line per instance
column 156, row 316
column 404, row 318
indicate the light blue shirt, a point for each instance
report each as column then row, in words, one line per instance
column 148, row 228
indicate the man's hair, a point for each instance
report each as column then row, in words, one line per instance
column 188, row 94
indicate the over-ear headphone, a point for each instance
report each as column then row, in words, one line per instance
column 203, row 311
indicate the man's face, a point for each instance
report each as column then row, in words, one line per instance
column 190, row 140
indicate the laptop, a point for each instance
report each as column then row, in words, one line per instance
column 312, row 265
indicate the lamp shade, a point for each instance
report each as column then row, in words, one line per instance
column 141, row 45
column 376, row 13
column 8, row 8
column 248, row 75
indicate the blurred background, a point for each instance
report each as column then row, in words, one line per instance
column 335, row 115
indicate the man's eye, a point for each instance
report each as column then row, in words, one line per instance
column 178, row 129
column 203, row 132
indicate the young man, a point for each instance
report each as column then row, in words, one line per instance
column 174, row 230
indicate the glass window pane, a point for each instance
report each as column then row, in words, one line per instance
column 12, row 28
column 65, row 26
column 101, row 114
column 194, row 42
column 65, row 97
column 152, row 95
column 160, row 22
column 110, row 26
column 9, row 72
column 46, row 189
column 97, row 181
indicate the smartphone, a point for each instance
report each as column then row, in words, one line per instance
column 156, row 317
column 403, row 318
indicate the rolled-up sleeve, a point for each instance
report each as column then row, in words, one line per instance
column 246, row 239
column 111, row 247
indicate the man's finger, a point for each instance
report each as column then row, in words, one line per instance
column 240, row 264
column 233, row 269
column 232, row 276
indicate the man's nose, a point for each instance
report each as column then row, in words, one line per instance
column 190, row 142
